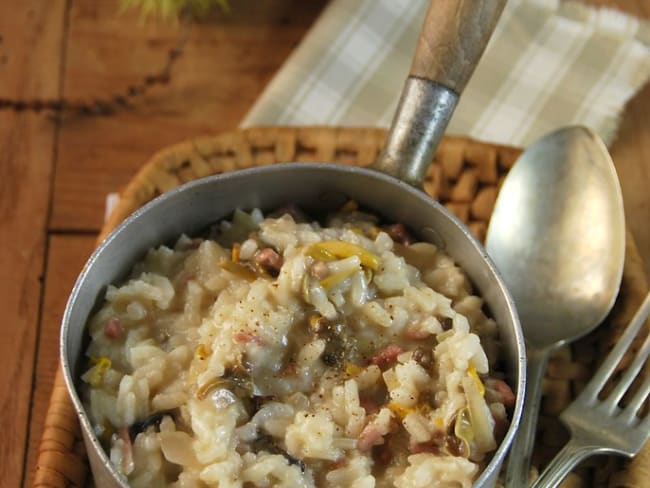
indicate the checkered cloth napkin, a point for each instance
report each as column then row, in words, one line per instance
column 548, row 64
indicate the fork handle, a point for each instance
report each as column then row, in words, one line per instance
column 571, row 454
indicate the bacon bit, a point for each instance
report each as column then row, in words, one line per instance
column 369, row 406
column 268, row 258
column 370, row 436
column 387, row 356
column 242, row 337
column 416, row 333
column 340, row 463
column 113, row 329
column 399, row 234
column 319, row 270
column 428, row 447
column 507, row 396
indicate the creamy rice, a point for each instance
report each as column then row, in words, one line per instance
column 281, row 352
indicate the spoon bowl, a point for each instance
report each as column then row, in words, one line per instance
column 557, row 236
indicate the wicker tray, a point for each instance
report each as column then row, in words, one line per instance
column 465, row 177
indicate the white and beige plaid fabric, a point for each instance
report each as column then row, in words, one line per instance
column 548, row 64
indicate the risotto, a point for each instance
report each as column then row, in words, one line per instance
column 285, row 352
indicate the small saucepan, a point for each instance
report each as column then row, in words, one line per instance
column 454, row 36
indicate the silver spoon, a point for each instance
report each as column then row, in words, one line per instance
column 557, row 236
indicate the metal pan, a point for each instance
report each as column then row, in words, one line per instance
column 452, row 41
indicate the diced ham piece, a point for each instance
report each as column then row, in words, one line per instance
column 399, row 234
column 507, row 395
column 387, row 356
column 113, row 329
column 429, row 447
column 339, row 463
column 246, row 337
column 270, row 259
column 370, row 436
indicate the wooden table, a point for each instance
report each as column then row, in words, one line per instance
column 54, row 174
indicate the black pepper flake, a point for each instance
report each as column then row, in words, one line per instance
column 446, row 323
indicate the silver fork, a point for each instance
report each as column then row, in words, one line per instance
column 602, row 426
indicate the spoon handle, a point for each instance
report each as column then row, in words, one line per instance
column 522, row 448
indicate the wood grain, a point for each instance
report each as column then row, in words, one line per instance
column 453, row 38
column 30, row 53
column 66, row 255
column 631, row 150
column 227, row 63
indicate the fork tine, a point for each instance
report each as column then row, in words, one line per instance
column 611, row 361
column 645, row 426
column 630, row 374
column 638, row 399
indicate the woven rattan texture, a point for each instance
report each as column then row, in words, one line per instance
column 465, row 177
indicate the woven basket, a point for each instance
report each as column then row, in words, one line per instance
column 465, row 177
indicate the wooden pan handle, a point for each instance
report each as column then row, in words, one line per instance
column 453, row 39
column 451, row 43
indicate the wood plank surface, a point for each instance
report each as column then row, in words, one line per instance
column 67, row 254
column 631, row 150
column 30, row 53
column 227, row 63
column 631, row 155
